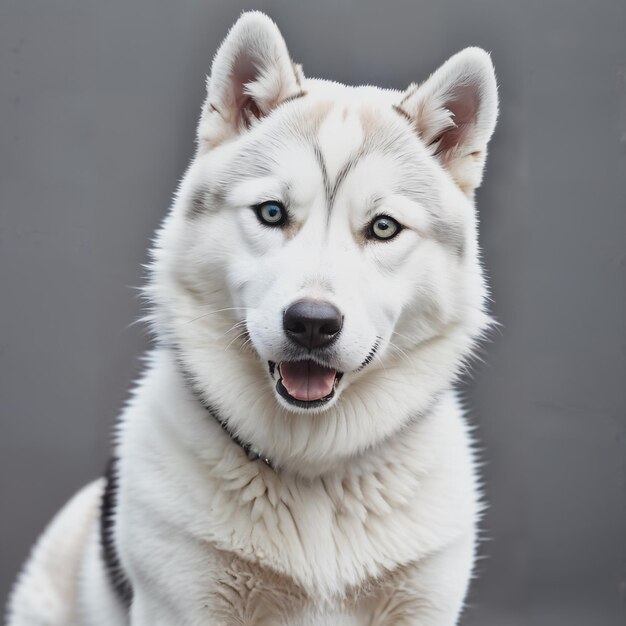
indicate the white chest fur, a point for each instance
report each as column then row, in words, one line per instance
column 190, row 498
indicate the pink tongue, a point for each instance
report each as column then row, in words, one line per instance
column 307, row 380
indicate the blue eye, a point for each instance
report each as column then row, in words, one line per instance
column 271, row 213
column 384, row 227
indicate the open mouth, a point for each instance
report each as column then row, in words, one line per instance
column 306, row 384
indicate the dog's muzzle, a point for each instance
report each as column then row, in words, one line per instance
column 313, row 325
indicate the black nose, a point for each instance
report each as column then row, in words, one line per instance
column 312, row 323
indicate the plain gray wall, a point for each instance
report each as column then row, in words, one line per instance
column 97, row 114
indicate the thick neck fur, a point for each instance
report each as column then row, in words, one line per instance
column 383, row 502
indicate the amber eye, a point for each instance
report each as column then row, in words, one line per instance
column 383, row 227
column 271, row 213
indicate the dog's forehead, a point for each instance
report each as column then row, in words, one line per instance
column 331, row 133
column 348, row 123
column 340, row 137
column 340, row 133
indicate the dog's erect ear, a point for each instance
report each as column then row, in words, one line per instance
column 252, row 73
column 455, row 114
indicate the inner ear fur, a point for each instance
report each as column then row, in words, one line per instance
column 251, row 74
column 455, row 112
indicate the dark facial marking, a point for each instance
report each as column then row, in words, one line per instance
column 412, row 90
column 203, row 199
column 450, row 235
column 332, row 189
column 378, row 139
column 402, row 113
column 322, row 164
column 295, row 96
column 343, row 174
column 198, row 202
column 370, row 357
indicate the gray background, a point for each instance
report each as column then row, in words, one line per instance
column 98, row 103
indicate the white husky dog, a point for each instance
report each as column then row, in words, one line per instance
column 295, row 453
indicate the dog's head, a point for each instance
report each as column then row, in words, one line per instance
column 319, row 272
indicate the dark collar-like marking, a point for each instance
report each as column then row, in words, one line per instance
column 252, row 453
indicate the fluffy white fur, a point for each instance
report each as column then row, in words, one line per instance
column 369, row 517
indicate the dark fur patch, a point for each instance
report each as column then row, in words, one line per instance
column 322, row 164
column 400, row 111
column 410, row 92
column 332, row 189
column 197, row 204
column 108, row 509
column 295, row 96
column 203, row 198
column 350, row 164
column 250, row 451
column 370, row 357
column 450, row 235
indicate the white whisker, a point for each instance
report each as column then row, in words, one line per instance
column 400, row 351
column 236, row 325
column 243, row 334
column 409, row 339
column 231, row 308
